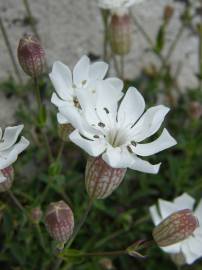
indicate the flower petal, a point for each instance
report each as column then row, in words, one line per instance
column 131, row 108
column 9, row 156
column 106, row 104
column 10, row 136
column 198, row 212
column 163, row 142
column 61, row 119
column 93, row 148
column 172, row 249
column 155, row 215
column 116, row 83
column 81, row 71
column 166, row 208
column 195, row 245
column 98, row 70
column 144, row 166
column 59, row 102
column 149, row 123
column 61, row 78
column 117, row 157
column 78, row 121
column 184, row 201
column 87, row 103
column 190, row 257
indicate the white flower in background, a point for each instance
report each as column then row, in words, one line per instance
column 85, row 76
column 10, row 148
column 116, row 132
column 117, row 4
column 189, row 249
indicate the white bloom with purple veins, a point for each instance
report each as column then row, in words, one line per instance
column 189, row 249
column 117, row 132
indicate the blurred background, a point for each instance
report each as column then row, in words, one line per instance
column 165, row 64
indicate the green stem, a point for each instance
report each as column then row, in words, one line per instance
column 31, row 18
column 61, row 148
column 200, row 56
column 10, row 51
column 175, row 42
column 145, row 35
column 81, row 223
column 16, row 201
column 41, row 239
column 116, row 66
column 105, row 15
column 100, row 254
column 142, row 30
column 39, row 102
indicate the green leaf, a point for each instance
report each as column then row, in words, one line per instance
column 160, row 39
column 42, row 116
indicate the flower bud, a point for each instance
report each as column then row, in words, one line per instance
column 195, row 110
column 120, row 33
column 59, row 221
column 8, row 173
column 36, row 215
column 175, row 228
column 101, row 179
column 64, row 130
column 31, row 55
column 168, row 13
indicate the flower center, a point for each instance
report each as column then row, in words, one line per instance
column 116, row 137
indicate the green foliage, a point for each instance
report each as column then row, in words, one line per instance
column 121, row 219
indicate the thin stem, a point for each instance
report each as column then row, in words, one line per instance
column 61, row 148
column 16, row 201
column 100, row 254
column 39, row 102
column 175, row 42
column 37, row 93
column 31, row 18
column 105, row 15
column 105, row 253
column 10, row 51
column 200, row 56
column 142, row 30
column 81, row 223
column 116, row 66
column 41, row 239
column 145, row 35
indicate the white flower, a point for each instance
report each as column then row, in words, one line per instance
column 9, row 148
column 84, row 76
column 115, row 132
column 190, row 248
column 117, row 4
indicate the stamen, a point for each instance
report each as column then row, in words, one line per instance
column 106, row 110
column 133, row 143
column 96, row 136
column 129, row 149
column 100, row 124
column 76, row 103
